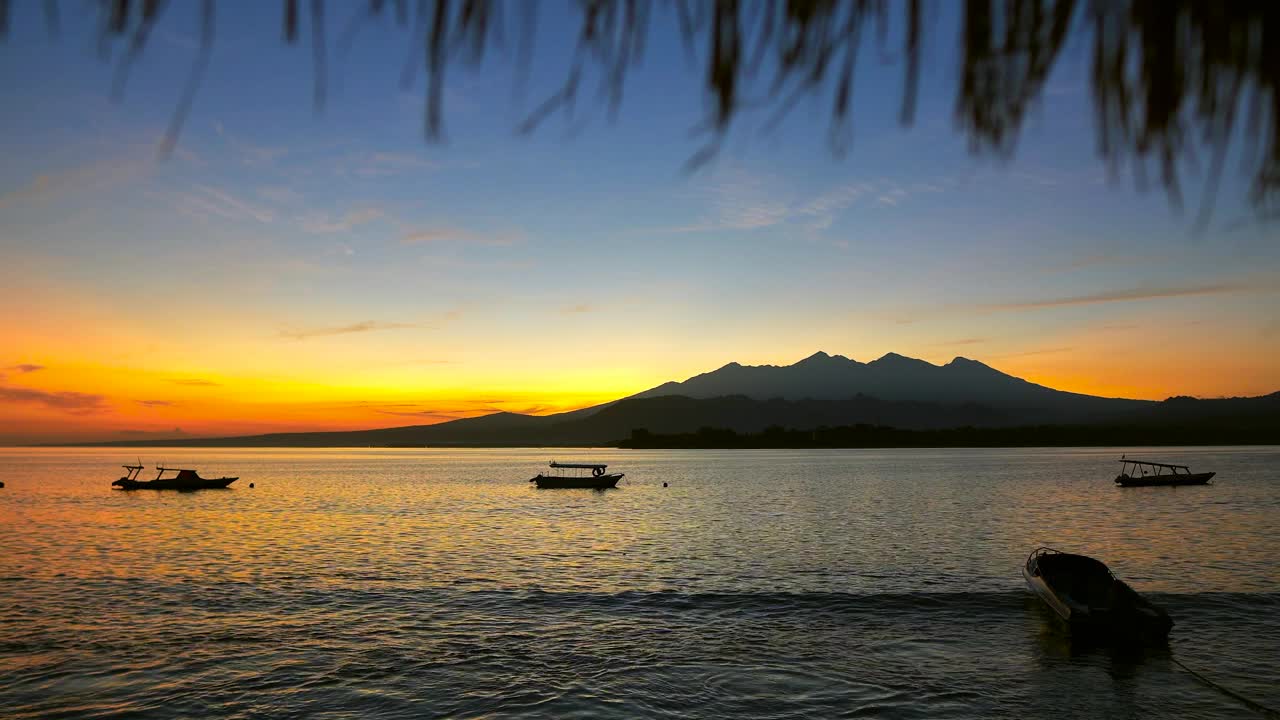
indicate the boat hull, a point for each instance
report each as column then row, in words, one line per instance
column 1169, row 480
column 1092, row 602
column 175, row 484
column 595, row 482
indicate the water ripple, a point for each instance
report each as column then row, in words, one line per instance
column 790, row 585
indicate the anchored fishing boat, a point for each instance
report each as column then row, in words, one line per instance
column 593, row 477
column 1141, row 473
column 182, row 480
column 1090, row 599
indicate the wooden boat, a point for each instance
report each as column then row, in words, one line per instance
column 1090, row 599
column 183, row 480
column 598, row 479
column 1144, row 474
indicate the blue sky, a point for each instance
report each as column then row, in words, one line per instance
column 341, row 252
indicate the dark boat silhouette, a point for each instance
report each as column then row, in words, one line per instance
column 183, row 480
column 1091, row 600
column 1150, row 474
column 597, row 480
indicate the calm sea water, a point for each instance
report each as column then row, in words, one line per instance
column 759, row 584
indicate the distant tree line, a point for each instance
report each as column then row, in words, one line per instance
column 878, row 436
column 1168, row 77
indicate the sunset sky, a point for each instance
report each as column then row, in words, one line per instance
column 286, row 269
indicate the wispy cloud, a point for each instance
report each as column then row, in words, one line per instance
column 112, row 172
column 445, row 234
column 836, row 199
column 25, row 367
column 962, row 341
column 279, row 194
column 194, row 382
column 247, row 152
column 740, row 201
column 1095, row 260
column 72, row 402
column 205, row 202
column 580, row 308
column 382, row 164
column 323, row 223
column 143, row 433
column 156, row 403
column 442, row 415
column 1123, row 296
column 360, row 327
column 1028, row 353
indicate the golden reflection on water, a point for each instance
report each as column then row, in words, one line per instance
column 859, row 521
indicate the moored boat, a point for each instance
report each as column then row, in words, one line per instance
column 1141, row 473
column 1090, row 599
column 598, row 479
column 182, row 480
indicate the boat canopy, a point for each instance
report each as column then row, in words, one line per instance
column 182, row 473
column 1156, row 464
column 578, row 466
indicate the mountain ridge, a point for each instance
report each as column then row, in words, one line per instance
column 890, row 377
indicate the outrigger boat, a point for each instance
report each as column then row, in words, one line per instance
column 1145, row 473
column 597, row 480
column 1090, row 599
column 183, row 480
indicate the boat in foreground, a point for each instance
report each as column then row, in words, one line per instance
column 1146, row 474
column 598, row 479
column 1090, row 599
column 182, row 480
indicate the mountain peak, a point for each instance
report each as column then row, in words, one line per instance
column 894, row 359
column 816, row 357
column 961, row 361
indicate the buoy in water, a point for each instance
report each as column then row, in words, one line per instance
column 250, row 484
column 664, row 484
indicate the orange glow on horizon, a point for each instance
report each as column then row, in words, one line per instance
column 85, row 402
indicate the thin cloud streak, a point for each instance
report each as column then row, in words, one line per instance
column 746, row 202
column 360, row 327
column 1122, row 296
column 322, row 224
column 195, row 382
column 206, row 202
column 147, row 433
column 103, row 173
column 250, row 153
column 1029, row 353
column 381, row 164
column 25, row 367
column 435, row 235
column 72, row 402
column 442, row 415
